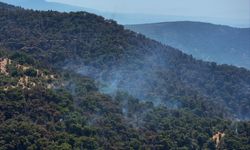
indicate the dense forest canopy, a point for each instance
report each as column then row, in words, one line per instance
column 78, row 81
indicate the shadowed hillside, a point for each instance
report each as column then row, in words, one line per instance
column 221, row 44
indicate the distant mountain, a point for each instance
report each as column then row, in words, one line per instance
column 121, row 18
column 44, row 5
column 222, row 44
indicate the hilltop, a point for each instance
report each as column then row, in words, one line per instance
column 210, row 42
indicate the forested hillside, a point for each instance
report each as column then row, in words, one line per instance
column 218, row 43
column 78, row 81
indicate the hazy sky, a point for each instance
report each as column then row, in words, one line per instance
column 231, row 9
column 226, row 12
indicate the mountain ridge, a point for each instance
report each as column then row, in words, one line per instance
column 186, row 21
column 219, row 43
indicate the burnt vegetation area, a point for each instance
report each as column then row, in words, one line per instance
column 176, row 102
